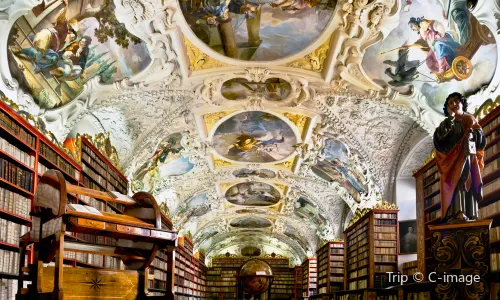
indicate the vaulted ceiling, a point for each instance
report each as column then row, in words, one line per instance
column 256, row 125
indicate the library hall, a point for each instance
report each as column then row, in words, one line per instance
column 249, row 149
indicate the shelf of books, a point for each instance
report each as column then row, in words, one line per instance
column 409, row 269
column 489, row 208
column 284, row 278
column 428, row 210
column 18, row 160
column 221, row 277
column 190, row 273
column 428, row 194
column 298, row 282
column 330, row 267
column 309, row 277
column 371, row 250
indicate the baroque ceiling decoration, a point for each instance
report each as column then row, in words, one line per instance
column 245, row 142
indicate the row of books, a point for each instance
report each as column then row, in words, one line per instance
column 385, row 222
column 15, row 203
column 187, row 292
column 495, row 262
column 489, row 210
column 386, row 216
column 494, row 234
column 16, row 153
column 90, row 173
column 97, row 260
column 431, row 178
column 9, row 262
column 160, row 264
column 492, row 150
column 8, row 289
column 52, row 156
column 10, row 231
column 384, row 236
column 410, row 264
column 359, row 284
column 98, row 204
column 17, row 130
column 431, row 188
column 491, row 125
column 18, row 176
column 188, row 283
column 157, row 284
column 491, row 167
column 385, row 251
column 385, row 228
column 430, row 171
column 492, row 186
column 94, row 160
column 385, row 243
column 428, row 202
column 386, row 258
column 432, row 215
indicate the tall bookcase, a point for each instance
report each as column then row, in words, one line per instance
column 298, row 282
column 284, row 278
column 330, row 267
column 189, row 272
column 309, row 277
column 429, row 201
column 371, row 250
column 221, row 277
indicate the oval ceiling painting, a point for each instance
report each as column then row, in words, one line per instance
column 250, row 222
column 258, row 30
column 256, row 137
column 337, row 167
column 439, row 47
column 273, row 89
column 60, row 45
column 253, row 194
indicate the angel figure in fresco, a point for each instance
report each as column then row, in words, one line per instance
column 405, row 71
column 161, row 155
column 440, row 46
column 49, row 41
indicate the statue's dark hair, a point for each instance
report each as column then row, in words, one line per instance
column 460, row 97
column 415, row 21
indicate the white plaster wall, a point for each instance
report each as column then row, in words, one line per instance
column 406, row 200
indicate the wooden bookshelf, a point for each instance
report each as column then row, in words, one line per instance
column 298, row 282
column 428, row 194
column 284, row 278
column 330, row 267
column 190, row 273
column 221, row 277
column 309, row 277
column 371, row 250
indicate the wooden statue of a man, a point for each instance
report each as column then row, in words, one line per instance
column 460, row 144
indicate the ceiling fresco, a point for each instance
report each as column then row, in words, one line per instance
column 253, row 194
column 257, row 137
column 255, row 123
column 257, row 30
column 58, row 47
column 436, row 49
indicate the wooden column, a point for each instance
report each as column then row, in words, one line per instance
column 461, row 249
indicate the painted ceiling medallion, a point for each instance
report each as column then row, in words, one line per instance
column 264, row 173
column 258, row 30
column 256, row 137
column 273, row 89
column 416, row 55
column 250, row 222
column 253, row 194
column 336, row 166
column 55, row 49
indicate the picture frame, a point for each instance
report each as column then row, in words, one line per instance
column 407, row 237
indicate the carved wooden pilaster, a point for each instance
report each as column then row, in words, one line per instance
column 461, row 249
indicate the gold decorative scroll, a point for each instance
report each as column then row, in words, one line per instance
column 379, row 205
column 313, row 61
column 299, row 120
column 282, row 187
column 199, row 60
column 211, row 118
column 487, row 107
column 103, row 144
column 226, row 185
column 286, row 164
column 220, row 163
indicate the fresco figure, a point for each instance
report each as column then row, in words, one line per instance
column 433, row 39
column 47, row 42
column 460, row 144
